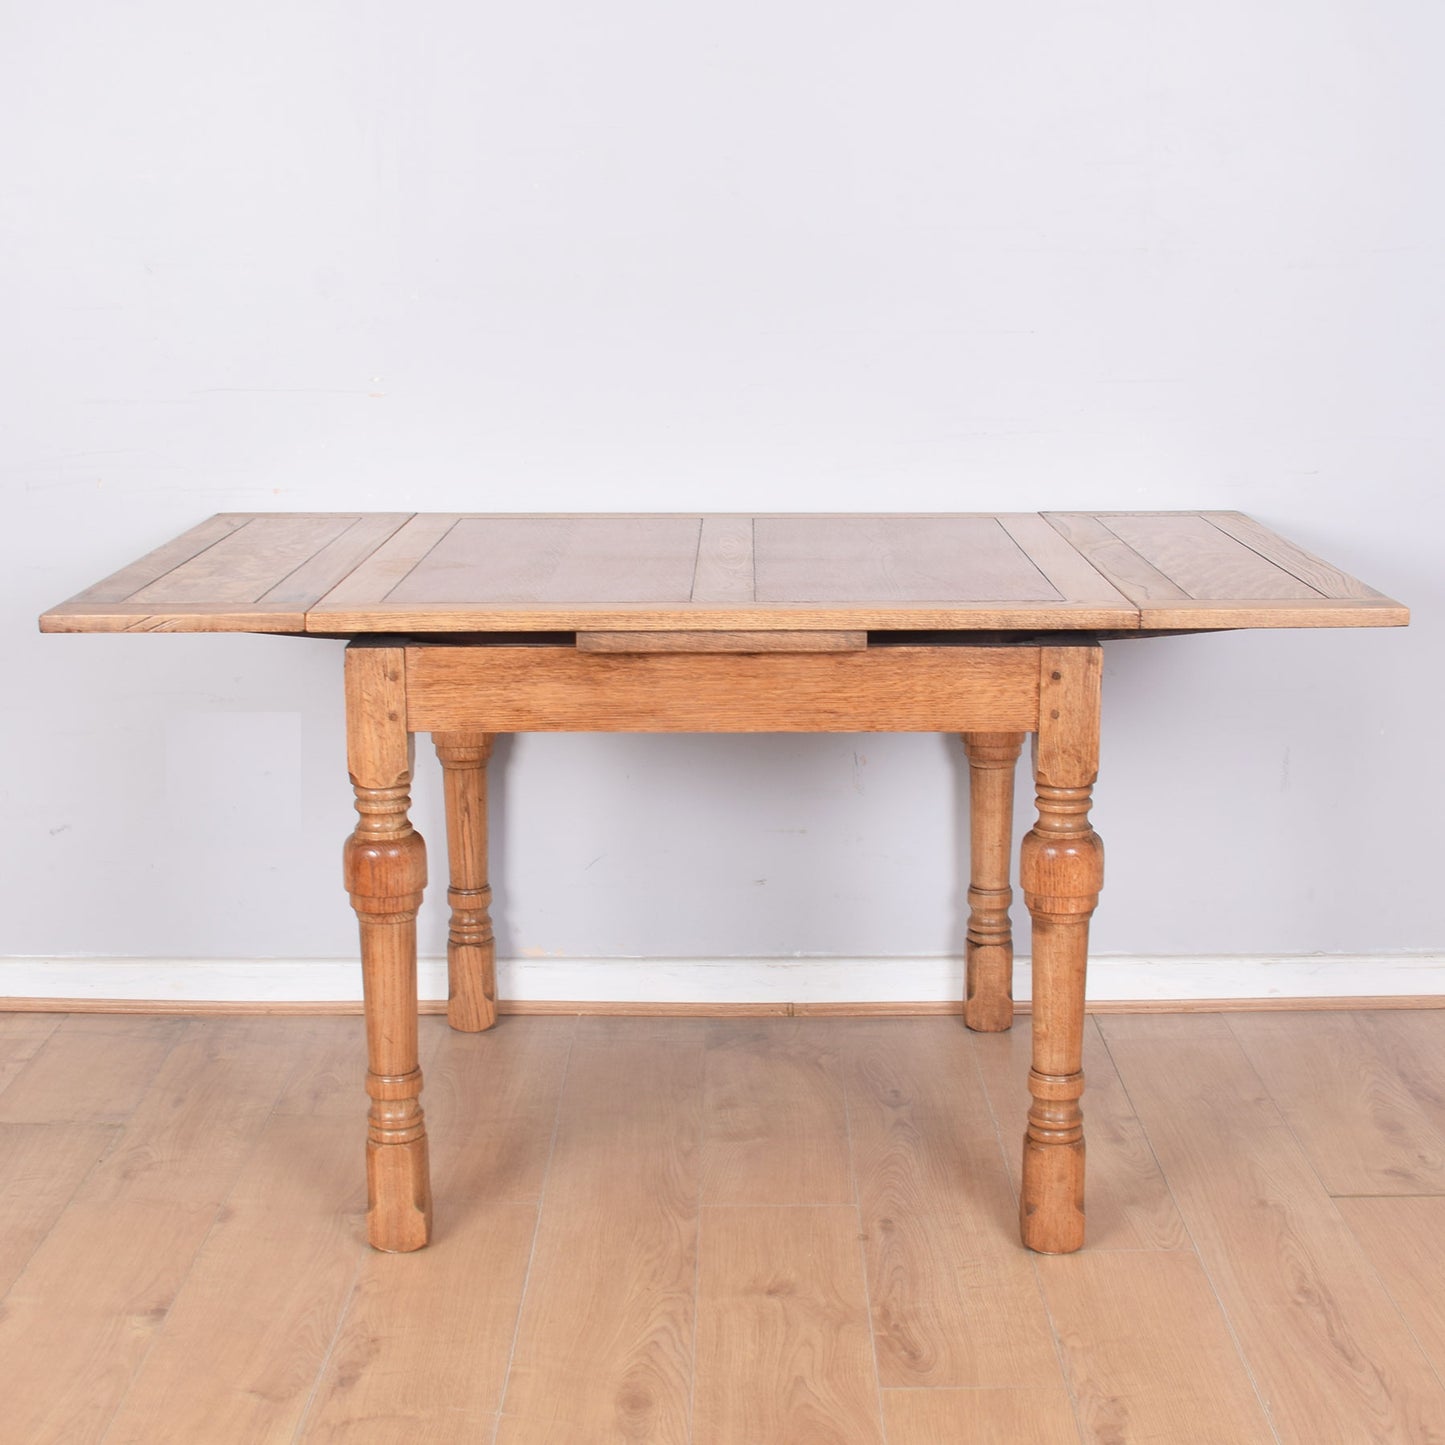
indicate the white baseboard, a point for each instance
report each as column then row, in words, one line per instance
column 721, row 980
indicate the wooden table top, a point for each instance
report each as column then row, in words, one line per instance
column 345, row 574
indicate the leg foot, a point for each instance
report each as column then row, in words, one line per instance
column 398, row 1192
column 988, row 993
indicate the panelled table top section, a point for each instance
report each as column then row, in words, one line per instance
column 344, row 574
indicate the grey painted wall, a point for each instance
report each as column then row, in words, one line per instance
column 786, row 255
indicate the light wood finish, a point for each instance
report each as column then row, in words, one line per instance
column 1405, row 1241
column 471, row 947
column 783, row 1351
column 724, row 561
column 551, row 689
column 775, row 1115
column 92, row 1069
column 385, row 872
column 1150, row 1323
column 988, row 981
column 196, row 1283
column 1328, row 1351
column 449, row 1348
column 979, row 1417
column 741, row 595
column 954, row 1301
column 236, row 572
column 22, row 1035
column 350, row 573
column 722, row 641
column 1220, row 569
column 605, row 1341
column 44, row 1165
column 264, row 1334
column 83, row 1314
column 1347, row 1102
column 1061, row 868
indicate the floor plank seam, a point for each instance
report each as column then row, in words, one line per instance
column 1244, row 1359
column 845, row 1071
column 325, row 1365
column 536, row 1230
column 697, row 1244
column 195, row 1028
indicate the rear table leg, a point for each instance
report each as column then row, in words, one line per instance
column 471, row 949
column 988, row 993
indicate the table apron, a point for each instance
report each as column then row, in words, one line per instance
column 504, row 689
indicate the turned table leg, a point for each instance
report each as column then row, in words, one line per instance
column 988, row 992
column 385, row 863
column 1061, row 870
column 471, row 950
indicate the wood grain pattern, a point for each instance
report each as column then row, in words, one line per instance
column 893, row 559
column 22, row 1036
column 1320, row 575
column 530, row 560
column 91, row 1068
column 1405, row 1240
column 605, row 1336
column 1069, row 572
column 1205, row 562
column 954, row 1301
column 724, row 561
column 192, row 1282
column 1140, row 581
column 264, row 1334
column 775, row 1117
column 1329, row 1353
column 979, row 1417
column 1415, row 1043
column 549, row 689
column 89, row 1304
column 44, row 1165
column 1149, row 1325
column 1353, row 1112
column 782, row 1349
column 235, row 573
column 417, row 1358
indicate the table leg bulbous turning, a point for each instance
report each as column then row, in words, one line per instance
column 988, row 990
column 1061, row 870
column 471, row 949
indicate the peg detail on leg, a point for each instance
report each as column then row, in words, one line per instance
column 471, row 950
column 1061, row 870
column 988, row 991
column 385, row 870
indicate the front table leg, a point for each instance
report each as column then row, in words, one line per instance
column 1062, row 870
column 385, row 862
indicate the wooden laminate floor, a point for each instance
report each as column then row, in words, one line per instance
column 728, row 1232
